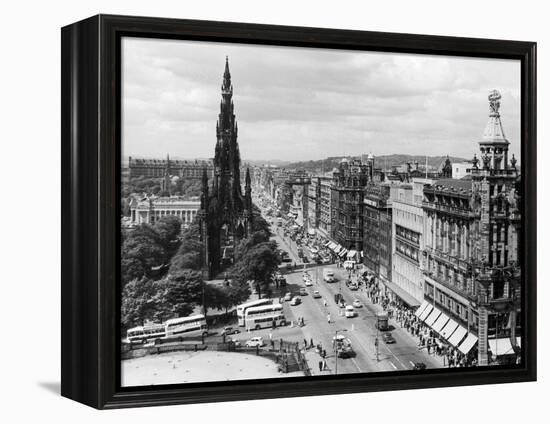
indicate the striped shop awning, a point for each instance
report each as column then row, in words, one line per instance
column 468, row 343
column 457, row 336
column 430, row 319
column 449, row 329
column 425, row 312
column 440, row 322
column 421, row 308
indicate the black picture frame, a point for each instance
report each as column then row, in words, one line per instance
column 90, row 139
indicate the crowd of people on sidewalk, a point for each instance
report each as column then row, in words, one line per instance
column 427, row 338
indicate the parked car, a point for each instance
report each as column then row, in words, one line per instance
column 357, row 303
column 255, row 342
column 388, row 338
column 316, row 294
column 295, row 301
column 303, row 291
column 288, row 296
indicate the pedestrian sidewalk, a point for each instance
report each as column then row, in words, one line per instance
column 393, row 321
column 313, row 359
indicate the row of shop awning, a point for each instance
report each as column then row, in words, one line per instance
column 448, row 328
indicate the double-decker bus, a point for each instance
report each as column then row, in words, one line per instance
column 186, row 327
column 241, row 309
column 144, row 333
column 264, row 316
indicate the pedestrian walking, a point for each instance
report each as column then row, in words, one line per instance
column 325, row 302
column 320, row 366
column 328, row 318
column 325, row 366
column 311, row 343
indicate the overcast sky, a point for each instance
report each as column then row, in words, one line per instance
column 301, row 104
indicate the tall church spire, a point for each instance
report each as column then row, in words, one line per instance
column 229, row 216
column 226, row 75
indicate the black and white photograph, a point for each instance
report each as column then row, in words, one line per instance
column 302, row 212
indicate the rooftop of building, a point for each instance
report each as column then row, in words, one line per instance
column 453, row 184
column 143, row 161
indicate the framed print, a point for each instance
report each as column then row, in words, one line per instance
column 255, row 211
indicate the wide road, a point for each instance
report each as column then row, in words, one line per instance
column 361, row 330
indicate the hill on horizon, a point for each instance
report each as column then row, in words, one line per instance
column 384, row 162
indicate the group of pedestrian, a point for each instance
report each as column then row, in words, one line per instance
column 323, row 365
column 300, row 321
column 309, row 345
column 429, row 340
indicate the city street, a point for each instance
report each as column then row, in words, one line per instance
column 360, row 330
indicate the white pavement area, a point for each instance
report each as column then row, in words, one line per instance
column 196, row 367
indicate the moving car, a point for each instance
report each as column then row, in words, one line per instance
column 295, row 301
column 316, row 294
column 357, row 303
column 309, row 283
column 342, row 346
column 353, row 286
column 419, row 366
column 288, row 296
column 255, row 342
column 350, row 311
column 328, row 275
column 230, row 330
column 388, row 338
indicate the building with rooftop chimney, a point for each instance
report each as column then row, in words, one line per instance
column 225, row 214
column 154, row 168
column 470, row 261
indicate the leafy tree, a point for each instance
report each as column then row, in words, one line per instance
column 189, row 260
column 142, row 250
column 168, row 229
column 138, row 302
column 189, row 251
column 188, row 187
column 178, row 294
column 258, row 222
column 246, row 244
column 131, row 268
column 258, row 264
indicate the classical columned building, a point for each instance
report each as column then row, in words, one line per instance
column 151, row 209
